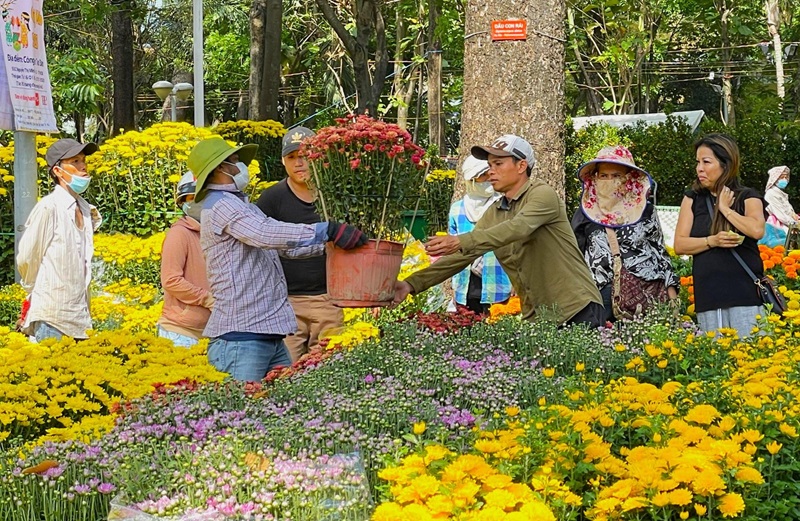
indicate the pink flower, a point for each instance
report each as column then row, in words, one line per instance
column 354, row 163
column 106, row 488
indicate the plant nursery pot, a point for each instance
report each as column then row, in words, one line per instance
column 417, row 223
column 363, row 277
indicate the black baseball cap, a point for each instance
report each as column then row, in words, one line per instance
column 294, row 138
column 66, row 148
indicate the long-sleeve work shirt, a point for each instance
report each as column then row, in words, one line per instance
column 54, row 260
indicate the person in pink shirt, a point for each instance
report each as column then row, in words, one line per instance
column 187, row 296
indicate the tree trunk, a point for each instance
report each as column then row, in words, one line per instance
column 405, row 77
column 774, row 25
column 258, row 11
column 517, row 87
column 594, row 102
column 79, row 124
column 405, row 94
column 369, row 23
column 728, row 111
column 271, row 82
column 400, row 81
column 242, row 106
column 122, row 68
column 435, row 116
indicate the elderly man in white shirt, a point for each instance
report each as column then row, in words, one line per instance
column 55, row 252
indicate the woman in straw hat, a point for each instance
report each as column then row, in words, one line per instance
column 619, row 234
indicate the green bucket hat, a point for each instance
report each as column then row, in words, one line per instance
column 208, row 154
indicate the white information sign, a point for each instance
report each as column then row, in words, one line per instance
column 24, row 81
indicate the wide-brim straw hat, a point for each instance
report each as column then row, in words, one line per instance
column 208, row 154
column 630, row 200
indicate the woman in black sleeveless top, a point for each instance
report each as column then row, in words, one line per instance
column 725, row 295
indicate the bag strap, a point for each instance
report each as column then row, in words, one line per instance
column 612, row 241
column 616, row 261
column 733, row 252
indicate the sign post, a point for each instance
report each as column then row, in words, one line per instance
column 197, row 45
column 25, row 189
column 26, row 105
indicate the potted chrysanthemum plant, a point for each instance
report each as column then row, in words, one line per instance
column 366, row 172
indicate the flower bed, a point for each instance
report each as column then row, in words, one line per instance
column 68, row 390
column 505, row 420
column 452, row 417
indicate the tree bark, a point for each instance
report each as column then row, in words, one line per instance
column 517, row 87
column 122, row 68
column 434, row 61
column 271, row 82
column 258, row 11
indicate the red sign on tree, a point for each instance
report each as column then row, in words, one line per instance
column 509, row 30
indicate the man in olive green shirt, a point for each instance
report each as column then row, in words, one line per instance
column 530, row 234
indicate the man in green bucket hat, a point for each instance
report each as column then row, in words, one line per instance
column 251, row 313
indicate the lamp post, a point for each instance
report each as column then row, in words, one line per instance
column 179, row 91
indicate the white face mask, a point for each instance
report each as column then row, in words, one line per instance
column 242, row 179
column 483, row 189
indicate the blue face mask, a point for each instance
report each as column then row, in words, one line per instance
column 192, row 210
column 78, row 184
column 782, row 183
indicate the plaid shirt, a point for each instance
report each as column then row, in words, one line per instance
column 495, row 286
column 241, row 246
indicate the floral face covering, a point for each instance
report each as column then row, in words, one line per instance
column 615, row 202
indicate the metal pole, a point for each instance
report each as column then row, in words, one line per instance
column 25, row 190
column 173, row 100
column 197, row 46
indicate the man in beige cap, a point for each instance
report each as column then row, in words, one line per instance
column 54, row 258
column 251, row 313
column 530, row 234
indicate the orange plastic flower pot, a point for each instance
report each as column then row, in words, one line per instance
column 363, row 277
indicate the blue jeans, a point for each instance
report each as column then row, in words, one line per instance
column 247, row 360
column 43, row 330
column 177, row 339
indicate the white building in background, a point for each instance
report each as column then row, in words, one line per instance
column 692, row 117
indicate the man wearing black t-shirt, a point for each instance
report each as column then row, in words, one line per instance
column 292, row 201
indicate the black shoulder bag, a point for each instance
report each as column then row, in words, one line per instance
column 770, row 296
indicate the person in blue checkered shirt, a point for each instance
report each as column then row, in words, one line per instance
column 484, row 282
